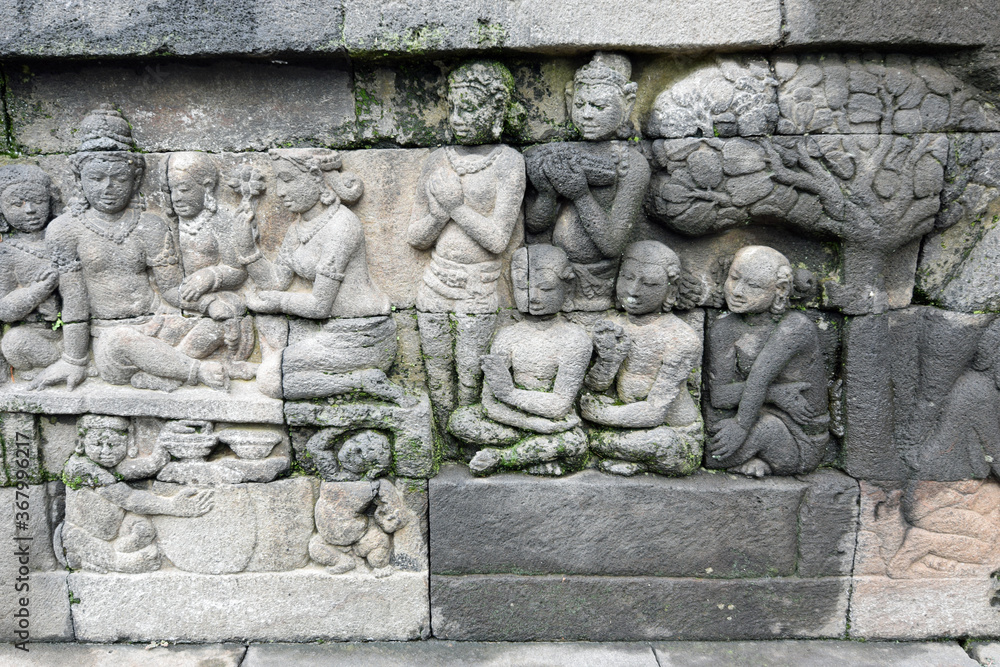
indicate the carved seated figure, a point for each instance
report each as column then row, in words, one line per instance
column 106, row 528
column 533, row 374
column 589, row 194
column 105, row 248
column 211, row 265
column 28, row 278
column 766, row 365
column 648, row 356
column 349, row 533
column 356, row 344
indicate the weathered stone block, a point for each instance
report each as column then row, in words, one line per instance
column 524, row 608
column 22, row 449
column 805, row 653
column 40, row 655
column 423, row 654
column 48, row 609
column 716, row 526
column 222, row 106
column 303, row 605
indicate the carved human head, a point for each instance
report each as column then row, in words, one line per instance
column 26, row 198
column 480, row 101
column 192, row 179
column 542, row 277
column 106, row 169
column 647, row 278
column 366, row 455
column 310, row 176
column 601, row 98
column 104, row 439
column 759, row 281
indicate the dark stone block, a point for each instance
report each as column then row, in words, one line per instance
column 519, row 608
column 707, row 525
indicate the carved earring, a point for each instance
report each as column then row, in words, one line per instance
column 210, row 203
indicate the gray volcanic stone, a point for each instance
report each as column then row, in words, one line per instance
column 222, row 106
column 88, row 655
column 803, row 653
column 44, row 28
column 302, row 605
column 48, row 609
column 714, row 526
column 987, row 653
column 525, row 608
column 896, row 22
column 434, row 653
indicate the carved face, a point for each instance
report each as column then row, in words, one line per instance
column 641, row 287
column 108, row 184
column 105, row 446
column 25, row 206
column 752, row 285
column 360, row 455
column 475, row 116
column 186, row 194
column 598, row 111
column 299, row 191
column 546, row 292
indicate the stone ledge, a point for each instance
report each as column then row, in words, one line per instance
column 568, row 608
column 241, row 404
column 716, row 526
column 303, row 605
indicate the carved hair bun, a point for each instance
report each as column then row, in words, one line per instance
column 104, row 129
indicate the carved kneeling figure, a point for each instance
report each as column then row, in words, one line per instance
column 105, row 528
column 349, row 534
column 650, row 423
column 546, row 355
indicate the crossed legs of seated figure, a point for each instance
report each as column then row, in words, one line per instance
column 29, row 347
column 125, row 355
column 770, row 448
column 665, row 450
column 132, row 551
column 541, row 454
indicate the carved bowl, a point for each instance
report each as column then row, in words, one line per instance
column 250, row 444
column 188, row 439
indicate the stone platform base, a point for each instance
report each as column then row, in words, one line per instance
column 303, row 605
column 48, row 608
column 526, row 608
column 884, row 608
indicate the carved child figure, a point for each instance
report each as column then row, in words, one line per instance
column 105, row 249
column 211, row 265
column 590, row 194
column 28, row 278
column 765, row 363
column 533, row 374
column 648, row 356
column 466, row 209
column 349, row 534
column 106, row 528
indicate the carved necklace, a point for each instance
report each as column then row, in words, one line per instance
column 470, row 164
column 307, row 230
column 192, row 226
column 28, row 250
column 116, row 232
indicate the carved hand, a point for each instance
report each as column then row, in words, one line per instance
column 592, row 406
column 59, row 372
column 496, row 369
column 728, row 438
column 47, row 279
column 789, row 398
column 569, row 181
column 437, row 211
column 192, row 502
column 268, row 301
column 197, row 285
column 446, row 188
column 611, row 341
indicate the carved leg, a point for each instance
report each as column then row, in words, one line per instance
column 205, row 338
column 541, row 454
column 470, row 424
column 437, row 346
column 122, row 353
column 666, row 450
column 769, row 448
column 26, row 348
column 473, row 335
column 320, row 384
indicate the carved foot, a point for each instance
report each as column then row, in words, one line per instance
column 213, row 374
column 382, row 572
column 623, row 468
column 550, row 469
column 143, row 380
column 345, row 563
column 485, row 462
column 242, row 370
column 753, row 468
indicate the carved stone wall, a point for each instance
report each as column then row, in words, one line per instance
column 480, row 322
